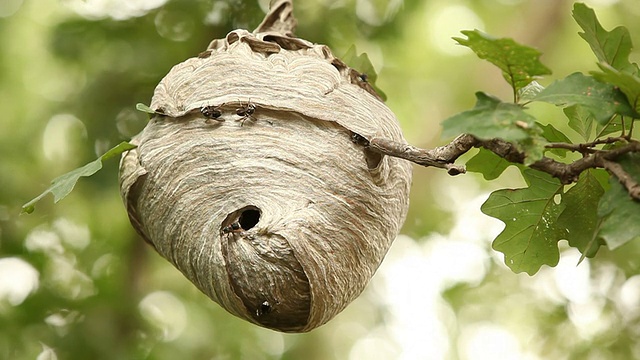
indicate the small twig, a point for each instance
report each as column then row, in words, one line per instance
column 581, row 148
column 625, row 179
column 585, row 147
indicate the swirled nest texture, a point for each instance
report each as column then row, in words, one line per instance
column 253, row 177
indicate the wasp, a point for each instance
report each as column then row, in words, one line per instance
column 211, row 112
column 263, row 309
column 246, row 112
column 232, row 228
column 359, row 139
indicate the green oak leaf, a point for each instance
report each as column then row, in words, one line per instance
column 64, row 184
column 610, row 47
column 487, row 163
column 529, row 239
column 553, row 135
column 620, row 214
column 580, row 215
column 628, row 83
column 489, row 119
column 520, row 64
column 600, row 99
column 363, row 64
column 580, row 120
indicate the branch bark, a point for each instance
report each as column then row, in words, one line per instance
column 440, row 157
column 445, row 156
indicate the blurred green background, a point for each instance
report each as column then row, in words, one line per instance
column 76, row 282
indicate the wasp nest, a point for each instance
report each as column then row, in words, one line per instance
column 253, row 177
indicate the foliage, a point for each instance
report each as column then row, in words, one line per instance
column 491, row 118
column 620, row 216
column 64, row 184
column 531, row 215
column 601, row 100
column 590, row 212
column 519, row 64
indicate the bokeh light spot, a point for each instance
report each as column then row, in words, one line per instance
column 166, row 312
column 9, row 7
column 174, row 25
column 446, row 22
column 18, row 279
column 115, row 9
column 59, row 135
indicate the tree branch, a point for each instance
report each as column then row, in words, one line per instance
column 445, row 156
column 625, row 179
column 440, row 157
column 586, row 147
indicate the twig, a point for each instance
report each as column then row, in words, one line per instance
column 625, row 179
column 445, row 156
column 440, row 157
column 586, row 147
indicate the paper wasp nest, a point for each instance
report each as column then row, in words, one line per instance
column 252, row 177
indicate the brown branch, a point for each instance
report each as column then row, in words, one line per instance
column 581, row 148
column 440, row 157
column 586, row 147
column 445, row 156
column 625, row 179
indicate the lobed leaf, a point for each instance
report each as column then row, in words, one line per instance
column 529, row 239
column 619, row 213
column 64, row 184
column 600, row 99
column 553, row 135
column 580, row 120
column 580, row 216
column 610, row 47
column 628, row 83
column 489, row 119
column 490, row 165
column 520, row 64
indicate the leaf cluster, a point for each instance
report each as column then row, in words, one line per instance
column 589, row 202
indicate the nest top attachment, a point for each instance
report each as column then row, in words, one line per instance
column 276, row 71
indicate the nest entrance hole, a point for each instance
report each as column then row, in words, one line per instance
column 242, row 219
column 249, row 218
